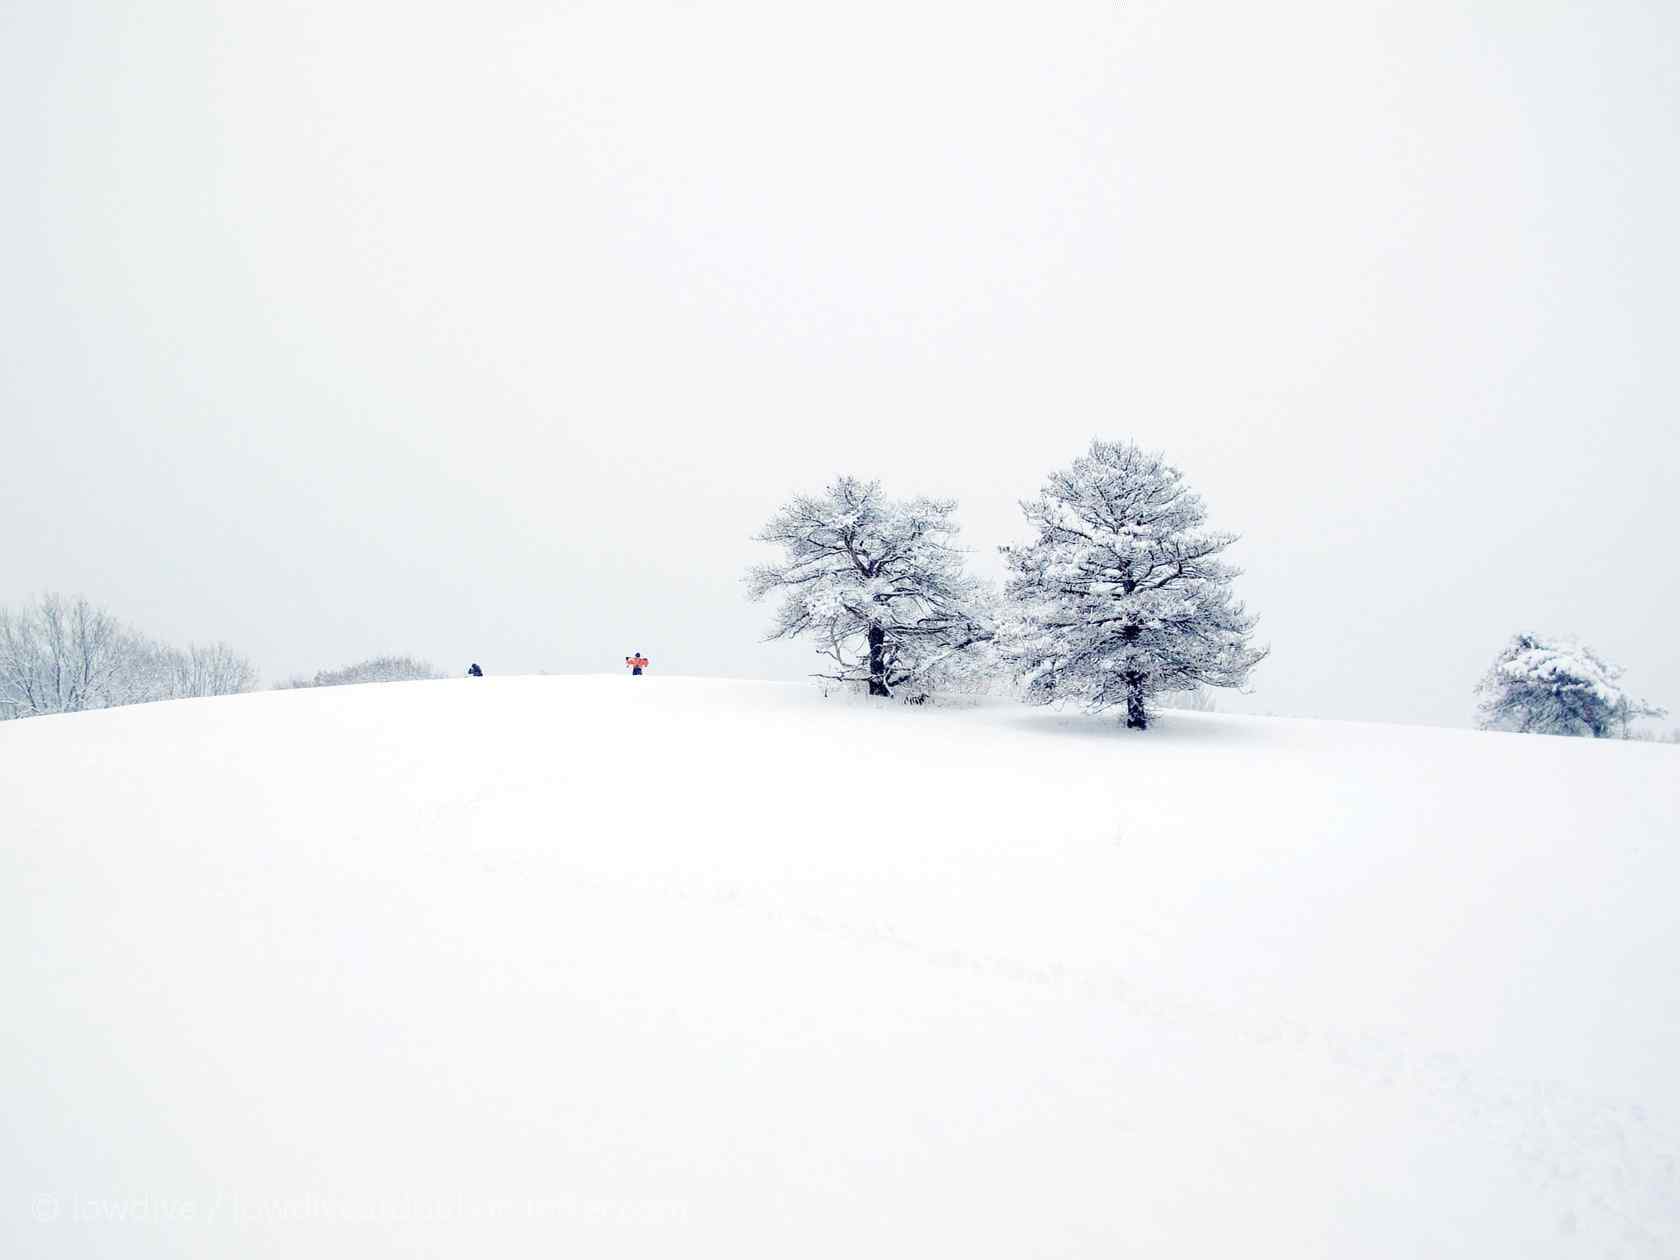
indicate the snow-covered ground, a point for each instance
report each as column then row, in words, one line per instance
column 603, row 967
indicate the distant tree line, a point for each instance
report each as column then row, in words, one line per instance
column 61, row 655
column 65, row 655
column 378, row 669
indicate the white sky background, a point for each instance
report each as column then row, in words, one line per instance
column 493, row 332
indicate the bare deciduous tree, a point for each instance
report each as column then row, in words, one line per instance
column 61, row 656
column 211, row 669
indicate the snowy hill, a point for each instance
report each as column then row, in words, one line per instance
column 594, row 967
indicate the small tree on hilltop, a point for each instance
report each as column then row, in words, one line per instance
column 1120, row 596
column 878, row 582
column 1556, row 687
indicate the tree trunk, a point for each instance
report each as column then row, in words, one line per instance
column 877, row 662
column 1137, row 717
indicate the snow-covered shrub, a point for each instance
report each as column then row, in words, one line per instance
column 878, row 583
column 377, row 669
column 62, row 656
column 1556, row 687
column 1120, row 597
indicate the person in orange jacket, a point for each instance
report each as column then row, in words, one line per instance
column 637, row 664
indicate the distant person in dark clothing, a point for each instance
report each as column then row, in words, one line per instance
column 637, row 664
column 473, row 671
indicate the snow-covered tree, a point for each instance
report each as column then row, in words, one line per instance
column 878, row 582
column 1121, row 596
column 1556, row 687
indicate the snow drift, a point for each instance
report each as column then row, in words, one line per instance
column 600, row 966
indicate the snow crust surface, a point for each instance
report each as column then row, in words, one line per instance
column 615, row 967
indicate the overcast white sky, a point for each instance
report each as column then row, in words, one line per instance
column 492, row 332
